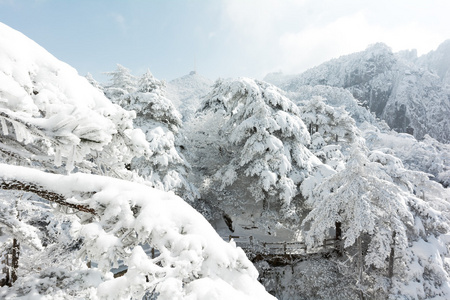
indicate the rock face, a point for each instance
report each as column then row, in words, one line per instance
column 438, row 62
column 411, row 94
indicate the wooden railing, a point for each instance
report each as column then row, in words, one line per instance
column 249, row 243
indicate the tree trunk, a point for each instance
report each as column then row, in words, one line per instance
column 5, row 270
column 11, row 262
column 360, row 268
column 15, row 260
column 391, row 257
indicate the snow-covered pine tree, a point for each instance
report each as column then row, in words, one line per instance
column 93, row 82
column 334, row 124
column 122, row 84
column 428, row 243
column 162, row 165
column 383, row 227
column 45, row 107
column 332, row 130
column 262, row 155
column 51, row 119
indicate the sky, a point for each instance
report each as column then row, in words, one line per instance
column 222, row 38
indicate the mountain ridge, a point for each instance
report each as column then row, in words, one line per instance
column 407, row 92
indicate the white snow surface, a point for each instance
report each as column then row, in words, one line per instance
column 43, row 99
column 27, row 67
column 194, row 262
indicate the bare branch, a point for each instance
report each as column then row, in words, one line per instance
column 42, row 192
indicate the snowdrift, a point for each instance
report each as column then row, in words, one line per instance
column 193, row 260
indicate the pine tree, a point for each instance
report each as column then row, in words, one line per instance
column 112, row 220
column 332, row 130
column 93, row 82
column 163, row 165
column 262, row 151
column 377, row 216
column 334, row 124
column 122, row 84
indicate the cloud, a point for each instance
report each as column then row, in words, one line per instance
column 294, row 35
column 348, row 34
column 120, row 21
column 314, row 45
column 259, row 19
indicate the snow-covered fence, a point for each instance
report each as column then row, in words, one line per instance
column 257, row 246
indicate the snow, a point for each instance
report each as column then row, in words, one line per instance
column 190, row 249
column 263, row 158
column 45, row 102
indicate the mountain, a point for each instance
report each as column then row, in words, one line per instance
column 186, row 92
column 411, row 94
column 438, row 62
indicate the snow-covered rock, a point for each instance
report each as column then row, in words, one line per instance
column 410, row 98
column 438, row 62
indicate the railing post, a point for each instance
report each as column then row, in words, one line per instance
column 338, row 238
column 285, row 248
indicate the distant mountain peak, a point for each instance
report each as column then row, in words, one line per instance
column 378, row 46
column 187, row 91
column 411, row 94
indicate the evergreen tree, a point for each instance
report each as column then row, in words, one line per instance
column 93, row 82
column 262, row 149
column 332, row 130
column 122, row 84
column 333, row 124
column 163, row 165
column 378, row 219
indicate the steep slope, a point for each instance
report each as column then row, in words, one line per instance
column 426, row 155
column 336, row 97
column 438, row 62
column 50, row 116
column 408, row 97
column 186, row 92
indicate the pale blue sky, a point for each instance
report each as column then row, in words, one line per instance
column 226, row 38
